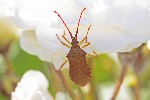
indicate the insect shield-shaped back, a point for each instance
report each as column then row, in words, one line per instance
column 79, row 70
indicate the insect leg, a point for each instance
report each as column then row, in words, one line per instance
column 85, row 45
column 85, row 38
column 93, row 55
column 82, row 40
column 62, row 42
column 65, row 38
column 62, row 65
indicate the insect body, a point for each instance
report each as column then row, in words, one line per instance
column 79, row 70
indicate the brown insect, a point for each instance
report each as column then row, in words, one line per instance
column 79, row 70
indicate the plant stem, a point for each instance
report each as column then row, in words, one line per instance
column 137, row 89
column 126, row 59
column 138, row 66
column 93, row 90
column 9, row 68
column 3, row 91
column 53, row 78
column 119, row 83
column 4, row 53
column 66, row 85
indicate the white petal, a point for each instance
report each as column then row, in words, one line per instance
column 131, row 46
column 49, row 41
column 6, row 8
column 48, row 52
column 29, row 15
column 72, row 17
column 41, row 7
column 144, row 3
column 30, row 44
column 27, row 20
column 82, row 4
column 108, row 17
column 40, row 78
column 134, row 19
column 41, row 95
column 114, row 44
column 119, row 28
column 33, row 85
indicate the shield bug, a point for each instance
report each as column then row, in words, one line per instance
column 79, row 70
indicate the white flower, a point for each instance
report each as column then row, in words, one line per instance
column 30, row 13
column 41, row 17
column 6, row 8
column 122, row 26
column 117, row 25
column 32, row 86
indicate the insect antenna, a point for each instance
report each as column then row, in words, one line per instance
column 64, row 23
column 88, row 32
column 79, row 22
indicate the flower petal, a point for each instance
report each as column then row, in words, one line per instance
column 33, row 86
column 6, row 8
column 132, row 45
column 119, row 28
column 30, row 44
column 49, row 41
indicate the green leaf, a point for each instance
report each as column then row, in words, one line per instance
column 2, row 97
column 104, row 69
column 22, row 61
